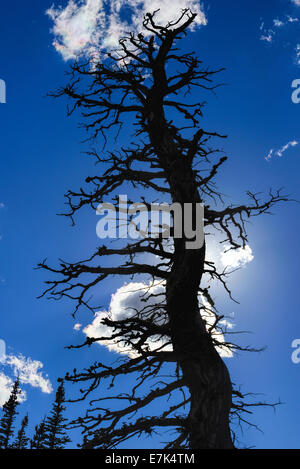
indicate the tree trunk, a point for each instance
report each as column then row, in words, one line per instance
column 204, row 371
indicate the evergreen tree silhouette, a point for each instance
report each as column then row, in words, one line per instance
column 56, row 436
column 9, row 411
column 39, row 437
column 22, row 440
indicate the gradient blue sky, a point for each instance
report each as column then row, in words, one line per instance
column 41, row 157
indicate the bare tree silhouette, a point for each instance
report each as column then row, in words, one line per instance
column 152, row 80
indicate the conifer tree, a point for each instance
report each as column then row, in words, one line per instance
column 39, row 437
column 22, row 440
column 56, row 436
column 9, row 415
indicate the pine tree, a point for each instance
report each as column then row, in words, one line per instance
column 56, row 437
column 22, row 440
column 9, row 411
column 39, row 437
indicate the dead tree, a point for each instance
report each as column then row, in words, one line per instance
column 150, row 79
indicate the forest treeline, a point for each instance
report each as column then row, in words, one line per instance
column 50, row 433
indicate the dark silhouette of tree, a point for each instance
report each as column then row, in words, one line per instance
column 22, row 440
column 54, row 430
column 38, row 440
column 10, row 411
column 150, row 79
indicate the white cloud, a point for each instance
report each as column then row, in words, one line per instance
column 235, row 258
column 297, row 49
column 75, row 27
column 77, row 327
column 6, row 385
column 296, row 2
column 291, row 19
column 267, row 37
column 84, row 27
column 293, row 143
column 268, row 34
column 27, row 370
column 278, row 23
column 270, row 154
column 279, row 28
column 124, row 303
column 282, row 150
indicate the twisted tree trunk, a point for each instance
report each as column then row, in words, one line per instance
column 204, row 372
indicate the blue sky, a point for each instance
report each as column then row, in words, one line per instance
column 42, row 157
